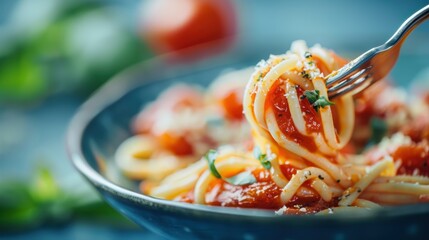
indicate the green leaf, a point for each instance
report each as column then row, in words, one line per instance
column 17, row 208
column 243, row 178
column 211, row 158
column 45, row 188
column 316, row 100
column 262, row 158
column 378, row 131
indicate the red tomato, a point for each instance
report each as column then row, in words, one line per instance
column 179, row 145
column 173, row 99
column 232, row 104
column 414, row 159
column 418, row 128
column 174, row 25
column 262, row 194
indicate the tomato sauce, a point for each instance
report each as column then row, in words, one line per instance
column 277, row 101
column 264, row 194
column 321, row 66
column 232, row 104
column 177, row 144
column 418, row 128
column 414, row 159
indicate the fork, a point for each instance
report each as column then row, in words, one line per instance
column 374, row 64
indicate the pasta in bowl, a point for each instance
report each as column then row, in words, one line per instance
column 278, row 156
column 298, row 138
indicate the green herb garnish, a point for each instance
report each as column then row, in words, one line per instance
column 211, row 158
column 307, row 55
column 305, row 74
column 316, row 100
column 262, row 157
column 242, row 178
column 378, row 131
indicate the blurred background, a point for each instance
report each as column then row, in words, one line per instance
column 54, row 54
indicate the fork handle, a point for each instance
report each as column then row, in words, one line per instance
column 408, row 26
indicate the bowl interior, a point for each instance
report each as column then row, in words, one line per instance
column 112, row 125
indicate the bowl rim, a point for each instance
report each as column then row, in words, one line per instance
column 120, row 85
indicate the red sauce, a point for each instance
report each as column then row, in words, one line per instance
column 418, row 128
column 177, row 144
column 278, row 102
column 414, row 159
column 173, row 99
column 187, row 197
column 232, row 104
column 321, row 65
column 265, row 194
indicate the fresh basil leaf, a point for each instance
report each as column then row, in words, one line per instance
column 378, row 131
column 322, row 102
column 316, row 100
column 262, row 157
column 312, row 95
column 243, row 178
column 211, row 158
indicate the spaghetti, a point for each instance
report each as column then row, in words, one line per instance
column 304, row 156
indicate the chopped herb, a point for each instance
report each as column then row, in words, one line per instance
column 321, row 177
column 211, row 158
column 378, row 131
column 310, row 62
column 262, row 157
column 307, row 55
column 316, row 100
column 305, row 74
column 242, row 178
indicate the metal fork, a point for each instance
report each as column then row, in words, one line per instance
column 374, row 64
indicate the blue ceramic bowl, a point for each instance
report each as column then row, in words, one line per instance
column 103, row 122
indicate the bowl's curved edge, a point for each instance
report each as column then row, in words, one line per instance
column 106, row 95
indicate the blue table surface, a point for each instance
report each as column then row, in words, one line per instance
column 38, row 136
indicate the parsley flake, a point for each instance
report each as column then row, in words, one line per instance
column 307, row 55
column 316, row 100
column 211, row 158
column 262, row 158
column 242, row 178
column 305, row 74
column 378, row 130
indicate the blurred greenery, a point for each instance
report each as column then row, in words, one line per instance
column 70, row 47
column 43, row 202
